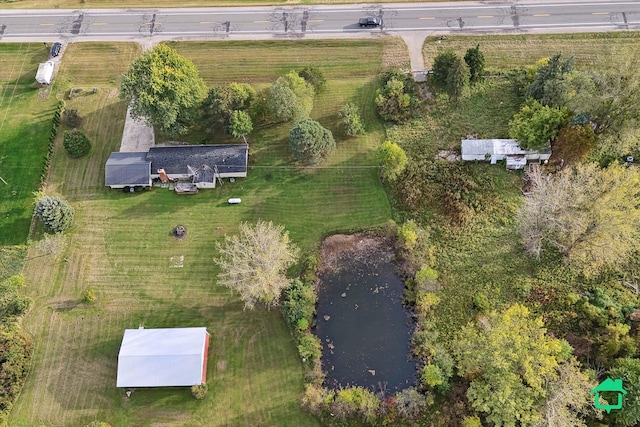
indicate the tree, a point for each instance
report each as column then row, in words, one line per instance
column 548, row 77
column 457, row 79
column 314, row 77
column 574, row 143
column 304, row 94
column 311, row 143
column 535, row 125
column 395, row 99
column 164, row 89
column 290, row 98
column 222, row 101
column 442, row 65
column 12, row 303
column 71, row 118
column 16, row 350
column 475, row 60
column 628, row 370
column 350, row 120
column 56, row 214
column 281, row 101
column 392, row 160
column 610, row 99
column 508, row 358
column 240, row 124
column 568, row 400
column 76, row 143
column 254, row 262
column 591, row 215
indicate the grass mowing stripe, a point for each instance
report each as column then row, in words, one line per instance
column 121, row 246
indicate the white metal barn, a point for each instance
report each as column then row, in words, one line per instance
column 170, row 357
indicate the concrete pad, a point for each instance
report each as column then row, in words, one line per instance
column 137, row 135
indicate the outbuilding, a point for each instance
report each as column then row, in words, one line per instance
column 168, row 357
column 45, row 73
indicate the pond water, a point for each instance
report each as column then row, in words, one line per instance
column 364, row 328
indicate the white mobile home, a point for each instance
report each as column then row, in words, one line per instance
column 45, row 73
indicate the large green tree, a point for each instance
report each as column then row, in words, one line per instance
column 442, row 65
column 222, row 101
column 549, row 80
column 535, row 125
column 240, row 124
column 396, row 99
column 164, row 89
column 253, row 263
column 310, row 142
column 508, row 357
column 458, row 79
column 591, row 215
column 290, row 98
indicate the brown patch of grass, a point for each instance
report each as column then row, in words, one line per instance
column 395, row 54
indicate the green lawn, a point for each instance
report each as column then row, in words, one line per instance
column 121, row 246
column 25, row 125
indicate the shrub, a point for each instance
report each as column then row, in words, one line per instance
column 392, row 159
column 314, row 398
column 431, row 376
column 199, row 391
column 299, row 304
column 425, row 301
column 56, row 214
column 473, row 421
column 408, row 235
column 481, row 301
column 314, row 77
column 397, row 98
column 71, row 118
column 426, row 279
column 410, row 403
column 89, row 296
column 350, row 120
column 355, row 401
column 76, row 143
column 309, row 346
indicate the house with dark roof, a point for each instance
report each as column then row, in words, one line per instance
column 201, row 165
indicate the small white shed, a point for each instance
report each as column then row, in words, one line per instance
column 45, row 73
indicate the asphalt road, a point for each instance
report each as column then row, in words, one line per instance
column 316, row 21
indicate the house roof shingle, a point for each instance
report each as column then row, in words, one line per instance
column 228, row 158
column 127, row 169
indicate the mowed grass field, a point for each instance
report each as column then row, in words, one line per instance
column 25, row 125
column 503, row 53
column 121, row 246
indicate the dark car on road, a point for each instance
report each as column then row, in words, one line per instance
column 372, row 21
column 55, row 49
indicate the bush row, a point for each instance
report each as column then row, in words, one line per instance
column 55, row 124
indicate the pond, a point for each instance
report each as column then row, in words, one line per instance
column 364, row 328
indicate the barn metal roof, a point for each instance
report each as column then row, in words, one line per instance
column 162, row 357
